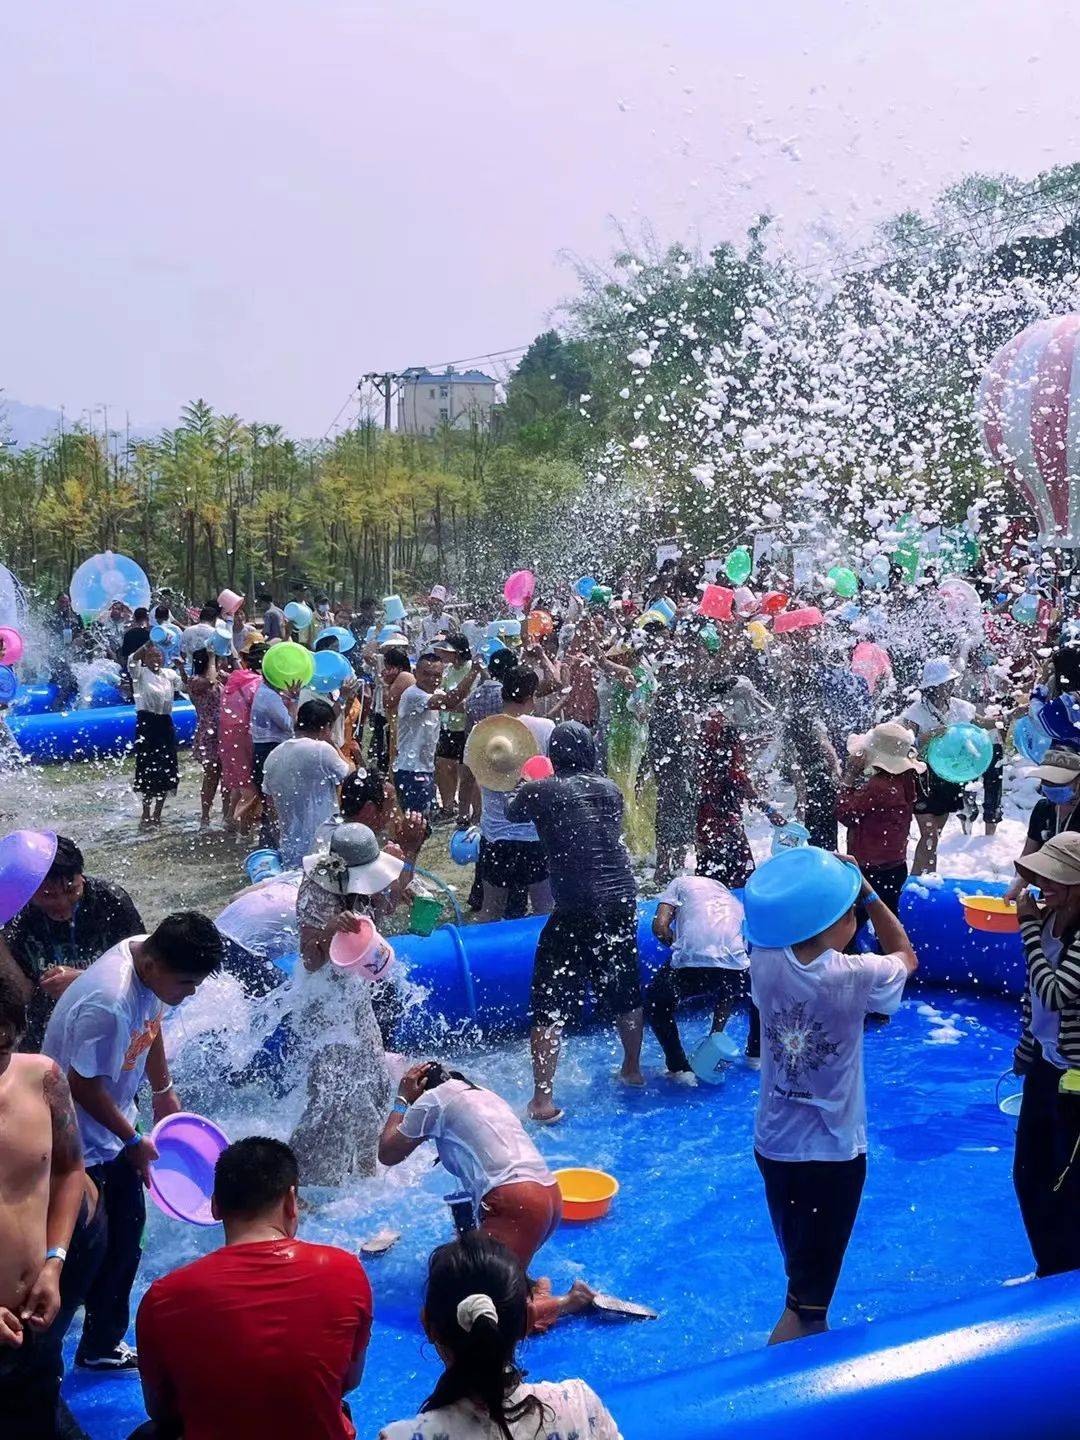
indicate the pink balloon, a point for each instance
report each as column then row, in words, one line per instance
column 871, row 662
column 519, row 588
column 13, row 645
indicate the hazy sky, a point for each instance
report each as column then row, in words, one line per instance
column 256, row 202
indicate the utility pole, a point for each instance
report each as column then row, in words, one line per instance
column 385, row 385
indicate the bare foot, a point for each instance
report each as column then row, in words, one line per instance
column 633, row 1078
column 544, row 1112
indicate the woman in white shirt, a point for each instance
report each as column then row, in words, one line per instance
column 157, row 773
column 481, row 1142
column 475, row 1313
column 931, row 715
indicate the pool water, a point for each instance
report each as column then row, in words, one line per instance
column 689, row 1233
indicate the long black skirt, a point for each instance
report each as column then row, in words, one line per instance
column 156, row 769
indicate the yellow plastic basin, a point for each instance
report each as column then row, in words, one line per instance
column 990, row 912
column 586, row 1194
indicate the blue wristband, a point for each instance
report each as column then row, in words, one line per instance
column 401, row 1107
column 134, row 1140
column 869, row 899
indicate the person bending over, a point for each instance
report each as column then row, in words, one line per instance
column 590, row 938
column 480, row 1141
column 475, row 1313
column 105, row 1035
column 265, row 1336
column 702, row 922
column 69, row 921
column 51, row 1231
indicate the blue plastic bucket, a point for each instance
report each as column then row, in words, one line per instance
column 710, row 1060
column 393, row 609
column 261, row 864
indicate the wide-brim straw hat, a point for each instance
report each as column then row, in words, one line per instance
column 1058, row 861
column 496, row 750
column 889, row 747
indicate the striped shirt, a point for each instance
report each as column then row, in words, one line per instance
column 1056, row 987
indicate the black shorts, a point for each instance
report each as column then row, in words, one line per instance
column 579, row 953
column 937, row 796
column 812, row 1205
column 451, row 745
column 260, row 753
column 512, row 864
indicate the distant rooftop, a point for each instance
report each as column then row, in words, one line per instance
column 443, row 377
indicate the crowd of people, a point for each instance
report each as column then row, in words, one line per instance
column 587, row 746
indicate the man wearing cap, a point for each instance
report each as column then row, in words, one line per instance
column 512, row 857
column 930, row 716
column 348, row 1089
column 1056, row 811
column 876, row 801
column 1046, row 1169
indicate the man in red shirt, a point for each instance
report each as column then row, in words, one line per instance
column 265, row 1337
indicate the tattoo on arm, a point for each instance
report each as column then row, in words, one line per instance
column 67, row 1151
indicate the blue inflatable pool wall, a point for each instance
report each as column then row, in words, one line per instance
column 58, row 735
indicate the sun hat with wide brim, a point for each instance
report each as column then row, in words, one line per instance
column 354, row 864
column 889, row 747
column 250, row 639
column 1059, row 767
column 496, row 750
column 1058, row 861
column 937, row 671
column 398, row 639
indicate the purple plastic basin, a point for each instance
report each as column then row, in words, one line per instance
column 182, row 1178
column 25, row 857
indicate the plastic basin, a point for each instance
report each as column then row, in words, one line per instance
column 586, row 1194
column 990, row 912
column 182, row 1178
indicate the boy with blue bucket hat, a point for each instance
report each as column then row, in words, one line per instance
column 810, row 1128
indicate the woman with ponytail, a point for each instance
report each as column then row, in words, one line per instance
column 482, row 1143
column 475, row 1314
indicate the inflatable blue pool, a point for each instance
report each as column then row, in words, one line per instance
column 48, row 737
column 930, row 1336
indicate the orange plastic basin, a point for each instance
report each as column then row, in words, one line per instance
column 990, row 912
column 586, row 1194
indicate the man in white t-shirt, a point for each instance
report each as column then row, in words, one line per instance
column 302, row 777
column 437, row 621
column 511, row 856
column 105, row 1035
column 930, row 716
column 418, row 730
column 702, row 922
column 810, row 1129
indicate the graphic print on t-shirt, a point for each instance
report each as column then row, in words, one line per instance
column 797, row 1043
column 141, row 1040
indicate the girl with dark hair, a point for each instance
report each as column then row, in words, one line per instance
column 155, row 686
column 482, row 1143
column 204, row 688
column 476, row 1311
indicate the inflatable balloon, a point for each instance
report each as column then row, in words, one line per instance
column 298, row 614
column 960, row 600
column 773, row 602
column 871, row 662
column 1026, row 424
column 287, row 664
column 738, row 565
column 519, row 588
column 539, row 624
column 1031, row 742
column 331, row 671
column 105, row 578
column 759, row 634
column 12, row 644
column 845, row 582
column 709, row 638
column 8, row 684
column 1060, row 719
column 585, row 586
column 961, row 754
column 601, row 596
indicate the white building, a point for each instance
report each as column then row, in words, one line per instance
column 428, row 400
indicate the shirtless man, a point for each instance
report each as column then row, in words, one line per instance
column 47, row 1208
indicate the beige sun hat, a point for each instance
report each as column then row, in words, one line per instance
column 496, row 750
column 1059, row 767
column 1057, row 861
column 889, row 747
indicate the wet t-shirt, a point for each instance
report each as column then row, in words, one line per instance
column 812, row 1104
column 579, row 821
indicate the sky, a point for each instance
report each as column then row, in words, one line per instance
column 256, row 202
